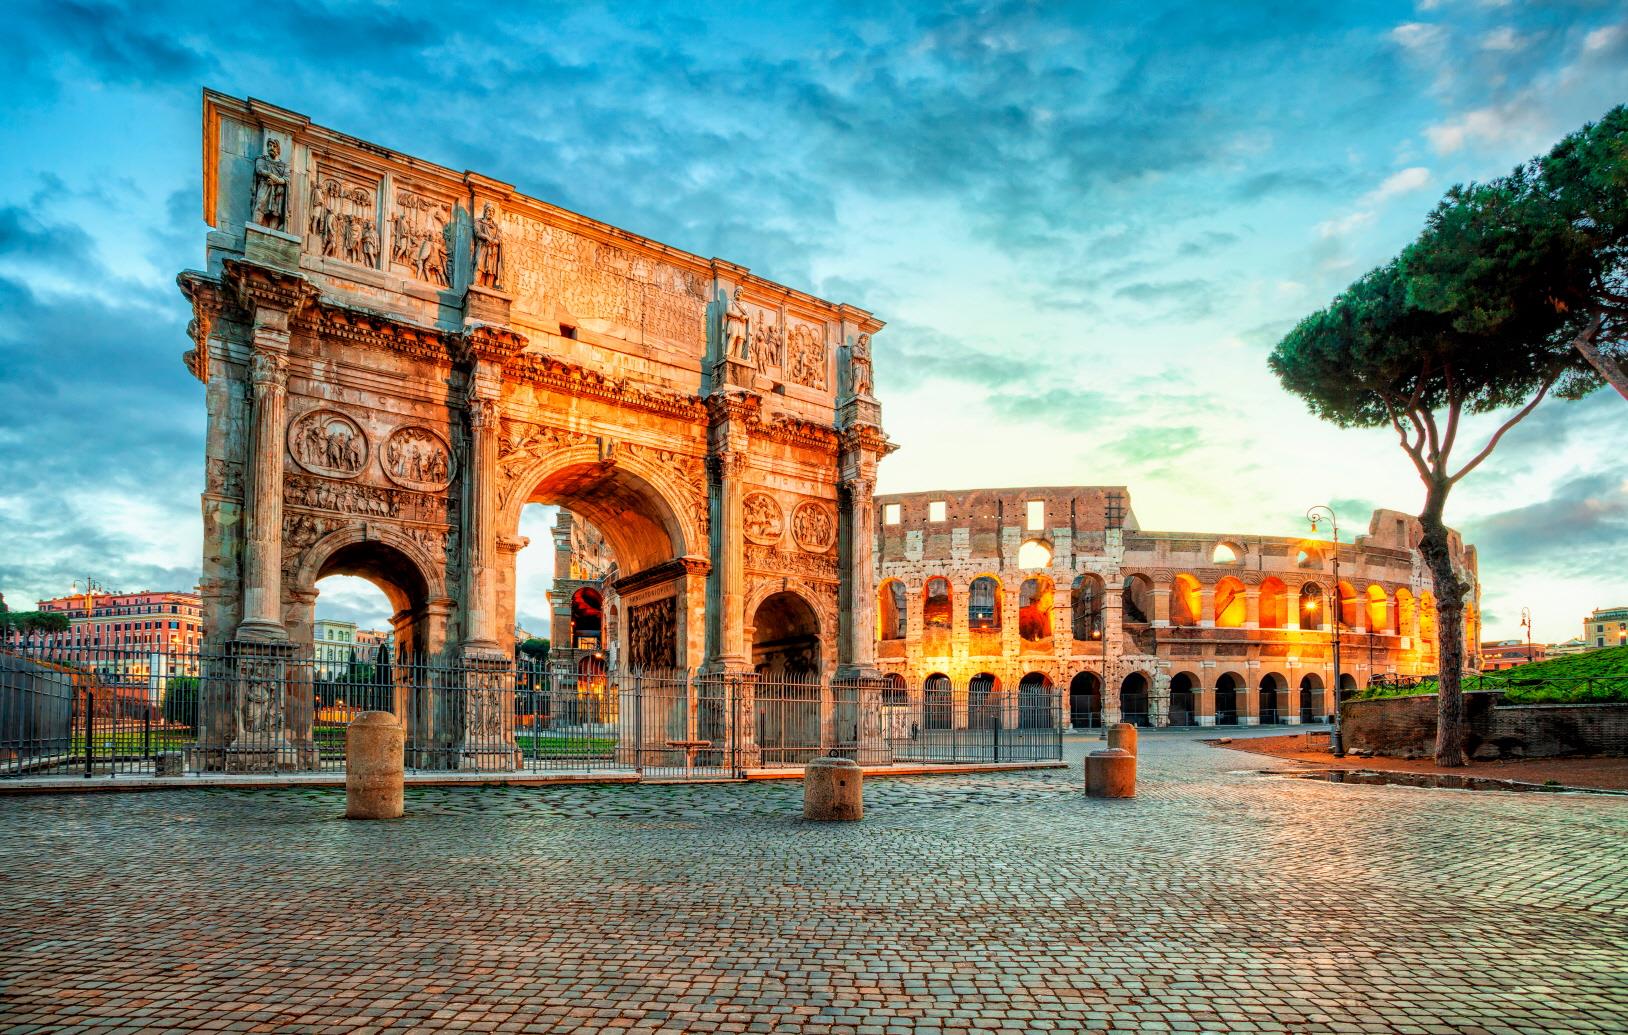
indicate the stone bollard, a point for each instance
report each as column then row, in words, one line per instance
column 833, row 789
column 1110, row 774
column 373, row 767
column 1122, row 735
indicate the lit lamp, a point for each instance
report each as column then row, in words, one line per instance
column 1336, row 745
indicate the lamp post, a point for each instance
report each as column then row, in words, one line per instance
column 1526, row 623
column 1336, row 745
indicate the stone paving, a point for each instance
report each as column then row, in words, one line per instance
column 1219, row 900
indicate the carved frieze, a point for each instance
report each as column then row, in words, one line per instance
column 805, row 356
column 328, row 442
column 367, row 500
column 652, row 633
column 770, row 561
column 549, row 268
column 521, row 444
column 814, row 526
column 693, row 472
column 418, row 458
column 763, row 520
column 421, row 238
column 342, row 220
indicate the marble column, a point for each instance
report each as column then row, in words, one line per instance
column 729, row 469
column 263, row 519
column 480, row 521
column 856, row 637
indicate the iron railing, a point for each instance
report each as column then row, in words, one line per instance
column 266, row 708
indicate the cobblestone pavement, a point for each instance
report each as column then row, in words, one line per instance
column 1219, row 900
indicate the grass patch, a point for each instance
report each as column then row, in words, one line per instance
column 1594, row 677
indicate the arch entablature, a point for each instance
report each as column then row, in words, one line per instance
column 309, row 568
column 628, row 497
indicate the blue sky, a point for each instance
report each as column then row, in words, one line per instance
column 1086, row 226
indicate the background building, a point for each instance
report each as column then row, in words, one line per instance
column 145, row 621
column 1606, row 627
column 1502, row 654
column 989, row 591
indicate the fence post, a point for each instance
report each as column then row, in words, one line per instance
column 638, row 722
column 90, row 732
column 147, row 731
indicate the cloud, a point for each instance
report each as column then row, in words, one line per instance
column 1578, row 530
column 1401, row 182
column 909, row 355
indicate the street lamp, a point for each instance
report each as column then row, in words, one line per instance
column 1526, row 623
column 1336, row 745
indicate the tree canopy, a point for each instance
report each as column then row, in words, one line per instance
column 1541, row 253
column 1515, row 289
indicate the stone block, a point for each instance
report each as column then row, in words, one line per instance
column 1110, row 774
column 374, row 767
column 169, row 763
column 1123, row 736
column 833, row 790
column 271, row 247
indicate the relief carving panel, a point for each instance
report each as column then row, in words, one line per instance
column 814, row 527
column 342, row 222
column 418, row 458
column 328, row 442
column 420, row 239
column 652, row 633
column 805, row 356
column 763, row 519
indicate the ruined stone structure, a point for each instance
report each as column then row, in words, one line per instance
column 399, row 357
column 1060, row 588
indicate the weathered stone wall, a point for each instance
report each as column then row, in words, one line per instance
column 1406, row 727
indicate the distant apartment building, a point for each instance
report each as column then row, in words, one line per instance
column 337, row 644
column 1502, row 654
column 1606, row 627
column 146, row 621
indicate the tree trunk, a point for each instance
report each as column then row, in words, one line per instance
column 1449, row 590
column 1607, row 367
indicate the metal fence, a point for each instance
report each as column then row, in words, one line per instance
column 268, row 708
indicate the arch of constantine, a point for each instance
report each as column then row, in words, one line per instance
column 399, row 357
column 995, row 593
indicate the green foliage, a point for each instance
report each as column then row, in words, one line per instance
column 33, row 621
column 182, row 697
column 1537, row 257
column 1594, row 677
column 535, row 648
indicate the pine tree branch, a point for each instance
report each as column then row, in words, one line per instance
column 1510, row 423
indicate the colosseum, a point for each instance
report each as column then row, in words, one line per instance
column 1059, row 593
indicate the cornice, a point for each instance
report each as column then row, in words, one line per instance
column 550, row 372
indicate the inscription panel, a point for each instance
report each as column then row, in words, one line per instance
column 554, row 272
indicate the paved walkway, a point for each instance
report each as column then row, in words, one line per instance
column 1220, row 900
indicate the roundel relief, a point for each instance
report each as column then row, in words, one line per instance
column 814, row 527
column 328, row 442
column 763, row 519
column 418, row 458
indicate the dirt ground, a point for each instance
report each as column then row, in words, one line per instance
column 1607, row 773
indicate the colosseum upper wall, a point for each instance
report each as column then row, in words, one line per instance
column 1059, row 587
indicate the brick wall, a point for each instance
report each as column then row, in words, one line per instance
column 1406, row 727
